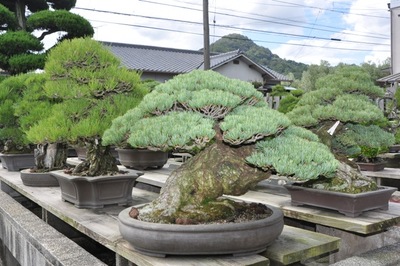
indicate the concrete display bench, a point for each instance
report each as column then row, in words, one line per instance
column 294, row 244
column 392, row 159
column 369, row 231
column 33, row 242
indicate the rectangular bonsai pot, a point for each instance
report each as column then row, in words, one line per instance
column 17, row 162
column 98, row 191
column 351, row 205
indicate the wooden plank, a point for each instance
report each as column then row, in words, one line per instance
column 102, row 225
column 295, row 244
column 392, row 173
column 275, row 195
column 154, row 179
column 367, row 223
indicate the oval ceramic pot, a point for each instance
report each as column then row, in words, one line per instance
column 97, row 191
column 142, row 159
column 33, row 179
column 16, row 162
column 204, row 239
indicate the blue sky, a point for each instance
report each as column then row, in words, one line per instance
column 308, row 31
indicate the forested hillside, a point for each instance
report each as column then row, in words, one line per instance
column 258, row 54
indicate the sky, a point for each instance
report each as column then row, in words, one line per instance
column 307, row 31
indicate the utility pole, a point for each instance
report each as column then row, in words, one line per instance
column 206, row 36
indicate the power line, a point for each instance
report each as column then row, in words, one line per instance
column 378, row 36
column 329, row 9
column 235, row 28
column 219, row 36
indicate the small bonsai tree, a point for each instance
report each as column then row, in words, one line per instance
column 88, row 88
column 12, row 137
column 345, row 98
column 236, row 138
column 33, row 107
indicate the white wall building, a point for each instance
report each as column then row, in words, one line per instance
column 395, row 35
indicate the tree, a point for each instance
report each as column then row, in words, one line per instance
column 236, row 139
column 86, row 88
column 376, row 71
column 345, row 98
column 258, row 54
column 12, row 137
column 312, row 74
column 31, row 108
column 20, row 50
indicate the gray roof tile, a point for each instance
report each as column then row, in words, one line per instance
column 168, row 60
column 156, row 59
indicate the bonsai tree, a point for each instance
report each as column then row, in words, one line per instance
column 21, row 50
column 88, row 88
column 34, row 106
column 12, row 137
column 236, row 140
column 343, row 113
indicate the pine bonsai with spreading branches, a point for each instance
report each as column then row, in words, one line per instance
column 236, row 140
column 87, row 88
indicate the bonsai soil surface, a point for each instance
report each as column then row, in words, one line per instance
column 243, row 212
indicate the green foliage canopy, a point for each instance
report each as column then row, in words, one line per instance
column 11, row 93
column 347, row 95
column 258, row 54
column 20, row 50
column 88, row 89
column 176, row 116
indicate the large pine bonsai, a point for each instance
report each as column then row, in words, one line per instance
column 87, row 88
column 347, row 98
column 236, row 138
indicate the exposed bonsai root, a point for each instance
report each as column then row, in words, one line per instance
column 222, row 211
column 348, row 179
column 194, row 188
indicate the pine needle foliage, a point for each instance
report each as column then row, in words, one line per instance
column 365, row 142
column 174, row 117
column 299, row 158
column 11, row 92
column 88, row 89
column 348, row 95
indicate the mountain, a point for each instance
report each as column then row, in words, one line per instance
column 258, row 54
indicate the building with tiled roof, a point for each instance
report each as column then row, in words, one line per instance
column 161, row 64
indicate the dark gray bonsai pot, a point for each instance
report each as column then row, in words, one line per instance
column 351, row 205
column 204, row 239
column 98, row 191
column 81, row 153
column 17, row 162
column 36, row 179
column 375, row 166
column 141, row 158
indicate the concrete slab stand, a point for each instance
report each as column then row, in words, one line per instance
column 33, row 242
column 385, row 256
column 354, row 244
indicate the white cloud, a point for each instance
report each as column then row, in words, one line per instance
column 292, row 19
column 363, row 20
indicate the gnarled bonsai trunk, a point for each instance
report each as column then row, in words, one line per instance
column 99, row 161
column 348, row 177
column 51, row 156
column 191, row 190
